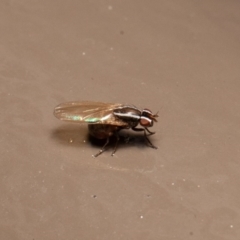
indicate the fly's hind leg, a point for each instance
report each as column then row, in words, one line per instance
column 103, row 148
column 145, row 135
column 116, row 144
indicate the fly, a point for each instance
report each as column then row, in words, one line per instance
column 107, row 119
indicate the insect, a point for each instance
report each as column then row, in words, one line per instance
column 107, row 119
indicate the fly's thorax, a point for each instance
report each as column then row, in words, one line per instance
column 102, row 131
column 129, row 114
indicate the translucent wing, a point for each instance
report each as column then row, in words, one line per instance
column 88, row 112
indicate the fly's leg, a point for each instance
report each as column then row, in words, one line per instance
column 103, row 148
column 145, row 135
column 150, row 133
column 116, row 145
column 127, row 139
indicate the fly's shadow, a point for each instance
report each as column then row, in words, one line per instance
column 73, row 134
column 118, row 140
column 78, row 135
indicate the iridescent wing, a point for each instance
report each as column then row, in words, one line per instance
column 88, row 112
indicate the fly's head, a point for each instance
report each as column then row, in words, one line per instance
column 147, row 118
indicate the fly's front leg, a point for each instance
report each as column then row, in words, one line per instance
column 150, row 133
column 103, row 148
column 145, row 135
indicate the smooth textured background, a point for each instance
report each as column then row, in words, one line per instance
column 181, row 58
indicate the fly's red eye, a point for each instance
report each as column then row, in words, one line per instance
column 146, row 122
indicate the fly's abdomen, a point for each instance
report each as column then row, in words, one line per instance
column 102, row 131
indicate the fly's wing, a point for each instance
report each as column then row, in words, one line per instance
column 88, row 112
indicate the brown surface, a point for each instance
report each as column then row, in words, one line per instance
column 180, row 58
